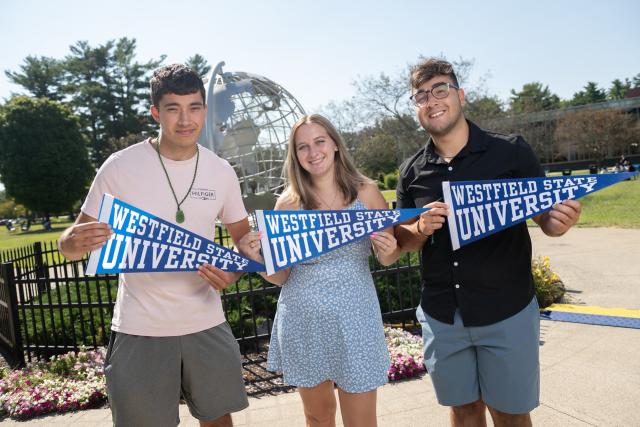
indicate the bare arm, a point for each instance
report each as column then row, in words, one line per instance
column 85, row 235
column 217, row 278
column 413, row 234
column 560, row 218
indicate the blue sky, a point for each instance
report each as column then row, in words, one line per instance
column 315, row 49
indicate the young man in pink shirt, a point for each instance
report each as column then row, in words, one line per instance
column 169, row 335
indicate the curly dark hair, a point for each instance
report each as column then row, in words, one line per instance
column 428, row 68
column 175, row 78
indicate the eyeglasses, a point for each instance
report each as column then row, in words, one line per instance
column 439, row 91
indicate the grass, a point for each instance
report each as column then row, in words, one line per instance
column 18, row 238
column 615, row 206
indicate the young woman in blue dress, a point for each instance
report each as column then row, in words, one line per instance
column 328, row 330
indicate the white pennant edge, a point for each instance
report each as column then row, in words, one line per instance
column 264, row 242
column 453, row 228
column 103, row 216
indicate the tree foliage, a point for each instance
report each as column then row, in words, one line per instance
column 43, row 155
column 595, row 134
column 198, row 64
column 41, row 76
column 110, row 92
column 589, row 95
column 533, row 97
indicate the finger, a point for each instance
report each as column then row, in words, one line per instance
column 560, row 216
column 573, row 204
column 434, row 205
column 92, row 226
column 94, row 242
column 212, row 275
column 569, row 211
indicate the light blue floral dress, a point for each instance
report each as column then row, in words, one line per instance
column 328, row 324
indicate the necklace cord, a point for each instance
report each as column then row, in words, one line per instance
column 195, row 172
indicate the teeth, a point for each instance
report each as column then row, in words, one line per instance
column 438, row 114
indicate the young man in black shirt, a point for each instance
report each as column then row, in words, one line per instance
column 478, row 310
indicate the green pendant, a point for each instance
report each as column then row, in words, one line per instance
column 179, row 216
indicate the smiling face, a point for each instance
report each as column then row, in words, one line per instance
column 181, row 118
column 439, row 116
column 315, row 149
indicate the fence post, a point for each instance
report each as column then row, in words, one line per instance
column 41, row 269
column 15, row 350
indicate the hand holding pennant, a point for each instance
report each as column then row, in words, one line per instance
column 481, row 208
column 290, row 237
column 143, row 242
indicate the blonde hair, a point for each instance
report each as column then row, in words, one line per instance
column 299, row 183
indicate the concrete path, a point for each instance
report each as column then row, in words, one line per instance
column 590, row 375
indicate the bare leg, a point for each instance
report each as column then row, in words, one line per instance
column 501, row 419
column 358, row 409
column 471, row 414
column 223, row 421
column 319, row 404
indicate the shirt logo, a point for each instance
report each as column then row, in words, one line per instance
column 203, row 194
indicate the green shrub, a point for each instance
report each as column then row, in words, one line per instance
column 548, row 286
column 391, row 181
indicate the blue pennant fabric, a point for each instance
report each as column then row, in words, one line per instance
column 143, row 242
column 481, row 208
column 290, row 237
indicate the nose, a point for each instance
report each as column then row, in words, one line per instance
column 183, row 118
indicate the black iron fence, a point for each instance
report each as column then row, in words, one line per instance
column 49, row 306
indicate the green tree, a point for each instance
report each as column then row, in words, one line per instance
column 43, row 155
column 109, row 92
column 533, row 97
column 618, row 88
column 376, row 155
column 198, row 64
column 591, row 94
column 40, row 76
column 483, row 108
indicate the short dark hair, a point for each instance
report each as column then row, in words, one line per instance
column 428, row 68
column 175, row 78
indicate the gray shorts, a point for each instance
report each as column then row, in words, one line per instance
column 497, row 363
column 147, row 375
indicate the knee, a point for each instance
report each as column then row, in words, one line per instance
column 473, row 409
column 321, row 415
column 504, row 419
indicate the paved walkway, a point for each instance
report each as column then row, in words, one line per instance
column 590, row 375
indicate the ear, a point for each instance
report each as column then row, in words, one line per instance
column 461, row 96
column 155, row 113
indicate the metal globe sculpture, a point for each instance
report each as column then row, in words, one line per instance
column 248, row 123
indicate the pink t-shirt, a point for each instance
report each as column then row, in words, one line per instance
column 168, row 304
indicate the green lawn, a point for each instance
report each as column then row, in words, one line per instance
column 17, row 238
column 615, row 206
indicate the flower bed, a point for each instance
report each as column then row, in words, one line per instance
column 65, row 383
column 76, row 381
column 406, row 354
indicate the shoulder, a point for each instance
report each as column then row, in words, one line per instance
column 504, row 141
column 406, row 168
column 286, row 202
column 136, row 154
column 215, row 163
column 370, row 196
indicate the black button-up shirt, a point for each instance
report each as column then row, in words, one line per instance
column 488, row 280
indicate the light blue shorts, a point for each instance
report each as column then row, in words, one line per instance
column 497, row 363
